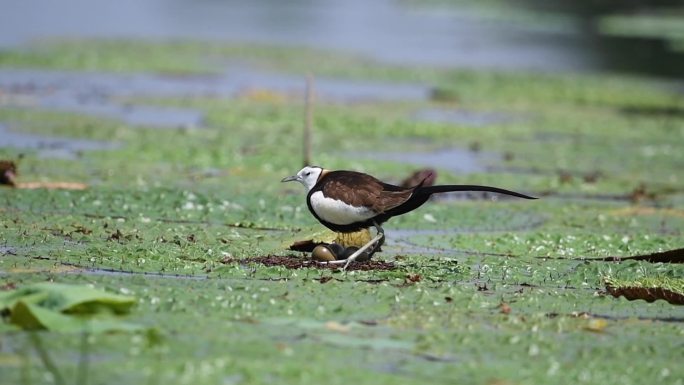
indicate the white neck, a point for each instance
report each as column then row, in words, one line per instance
column 308, row 176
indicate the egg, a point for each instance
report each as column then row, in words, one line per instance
column 326, row 253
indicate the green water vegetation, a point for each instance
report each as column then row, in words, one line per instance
column 478, row 291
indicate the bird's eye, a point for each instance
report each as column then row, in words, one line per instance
column 307, row 173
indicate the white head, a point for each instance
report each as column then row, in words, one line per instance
column 308, row 176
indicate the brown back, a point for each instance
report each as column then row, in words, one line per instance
column 359, row 189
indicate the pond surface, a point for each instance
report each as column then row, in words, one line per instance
column 102, row 94
column 464, row 117
column 387, row 30
column 454, row 159
column 51, row 147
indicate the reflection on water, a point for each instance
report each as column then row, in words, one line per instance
column 564, row 38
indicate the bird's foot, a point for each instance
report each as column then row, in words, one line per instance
column 352, row 258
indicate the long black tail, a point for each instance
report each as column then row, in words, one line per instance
column 422, row 194
column 429, row 190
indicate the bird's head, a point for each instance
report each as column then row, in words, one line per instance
column 308, row 176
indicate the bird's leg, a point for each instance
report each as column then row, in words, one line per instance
column 358, row 252
column 373, row 242
column 378, row 240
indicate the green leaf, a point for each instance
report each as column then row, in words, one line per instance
column 66, row 308
column 33, row 317
column 68, row 298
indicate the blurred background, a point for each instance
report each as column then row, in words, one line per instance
column 146, row 140
column 634, row 36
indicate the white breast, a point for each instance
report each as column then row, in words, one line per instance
column 338, row 212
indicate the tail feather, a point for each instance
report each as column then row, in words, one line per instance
column 429, row 190
column 422, row 194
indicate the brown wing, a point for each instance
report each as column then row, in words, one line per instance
column 360, row 189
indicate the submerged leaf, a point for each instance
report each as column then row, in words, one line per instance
column 669, row 256
column 596, row 325
column 648, row 289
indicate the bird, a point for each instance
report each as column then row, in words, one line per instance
column 347, row 201
column 426, row 175
column 8, row 173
